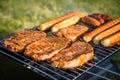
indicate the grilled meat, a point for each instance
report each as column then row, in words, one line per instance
column 118, row 43
column 49, row 24
column 19, row 41
column 46, row 48
column 106, row 33
column 68, row 22
column 96, row 19
column 89, row 36
column 75, row 55
column 111, row 40
column 72, row 32
column 90, row 21
column 102, row 18
column 105, row 17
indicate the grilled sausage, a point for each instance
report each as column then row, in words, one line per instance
column 118, row 43
column 98, row 17
column 111, row 40
column 90, row 21
column 106, row 33
column 49, row 24
column 105, row 17
column 89, row 36
column 68, row 22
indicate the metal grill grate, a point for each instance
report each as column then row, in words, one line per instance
column 91, row 68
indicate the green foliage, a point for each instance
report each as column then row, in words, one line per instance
column 16, row 15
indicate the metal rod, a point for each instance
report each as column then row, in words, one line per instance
column 60, row 70
column 101, row 51
column 107, row 70
column 74, row 71
column 94, row 74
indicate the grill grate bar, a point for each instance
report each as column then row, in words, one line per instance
column 74, row 71
column 49, row 66
column 98, row 56
column 55, row 72
column 94, row 74
column 108, row 50
column 101, row 52
column 116, row 46
column 107, row 70
column 52, row 71
column 105, row 51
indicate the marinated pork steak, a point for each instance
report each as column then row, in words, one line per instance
column 75, row 55
column 73, row 32
column 17, row 42
column 46, row 48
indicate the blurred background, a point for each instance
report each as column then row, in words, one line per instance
column 17, row 15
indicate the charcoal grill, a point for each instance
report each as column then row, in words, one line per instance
column 92, row 70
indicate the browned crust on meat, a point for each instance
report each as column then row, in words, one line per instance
column 73, row 32
column 79, row 61
column 111, row 40
column 76, row 55
column 46, row 48
column 89, row 36
column 17, row 42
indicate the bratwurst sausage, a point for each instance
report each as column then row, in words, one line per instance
column 68, row 22
column 89, row 36
column 90, row 21
column 106, row 33
column 49, row 24
column 111, row 40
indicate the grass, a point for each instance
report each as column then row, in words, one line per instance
column 16, row 15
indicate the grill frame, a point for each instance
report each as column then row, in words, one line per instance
column 46, row 70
